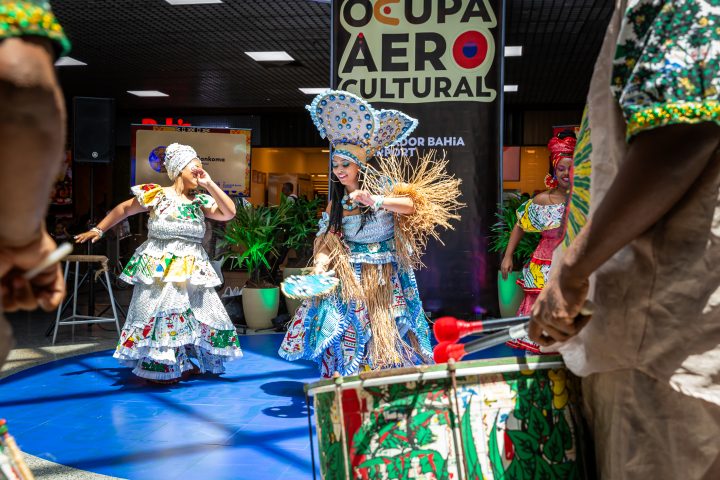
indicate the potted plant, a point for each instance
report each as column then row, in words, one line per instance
column 510, row 294
column 251, row 240
column 300, row 228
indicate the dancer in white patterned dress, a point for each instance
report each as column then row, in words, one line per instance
column 175, row 313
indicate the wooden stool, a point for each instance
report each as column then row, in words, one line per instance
column 76, row 319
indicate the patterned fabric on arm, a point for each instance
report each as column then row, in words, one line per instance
column 666, row 68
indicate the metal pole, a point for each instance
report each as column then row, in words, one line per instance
column 91, row 266
column 310, row 433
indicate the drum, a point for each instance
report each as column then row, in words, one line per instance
column 509, row 418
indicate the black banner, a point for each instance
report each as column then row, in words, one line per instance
column 440, row 62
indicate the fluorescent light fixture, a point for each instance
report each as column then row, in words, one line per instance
column 313, row 91
column 69, row 62
column 325, row 151
column 511, row 88
column 270, row 56
column 192, row 2
column 513, row 51
column 147, row 93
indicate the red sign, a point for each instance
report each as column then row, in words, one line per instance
column 168, row 121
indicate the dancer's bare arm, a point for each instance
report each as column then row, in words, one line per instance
column 124, row 210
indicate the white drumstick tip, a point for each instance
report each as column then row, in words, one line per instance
column 56, row 256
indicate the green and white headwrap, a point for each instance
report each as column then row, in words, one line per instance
column 177, row 156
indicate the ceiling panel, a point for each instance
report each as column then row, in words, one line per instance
column 195, row 52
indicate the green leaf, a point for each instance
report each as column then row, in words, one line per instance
column 375, row 461
column 496, row 462
column 363, row 438
column 428, row 458
column 516, row 471
column 546, row 397
column 425, row 465
column 501, row 230
column 420, row 419
column 522, row 407
column 398, row 468
column 443, row 416
column 424, row 436
column 471, row 453
column 372, row 465
column 564, row 428
column 526, row 446
column 398, row 392
column 565, row 471
column 388, row 438
column 254, row 235
column 333, row 462
column 553, row 448
column 537, row 424
column 543, row 471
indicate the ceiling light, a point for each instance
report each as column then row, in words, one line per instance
column 513, row 51
column 511, row 88
column 325, row 151
column 192, row 2
column 313, row 91
column 270, row 56
column 147, row 93
column 69, row 62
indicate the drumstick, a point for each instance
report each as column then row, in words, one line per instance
column 57, row 255
column 446, row 350
column 450, row 329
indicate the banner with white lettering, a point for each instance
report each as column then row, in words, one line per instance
column 225, row 154
column 438, row 61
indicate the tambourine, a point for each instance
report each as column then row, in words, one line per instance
column 301, row 287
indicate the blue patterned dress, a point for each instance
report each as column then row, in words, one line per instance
column 337, row 334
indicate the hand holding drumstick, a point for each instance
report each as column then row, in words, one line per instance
column 27, row 283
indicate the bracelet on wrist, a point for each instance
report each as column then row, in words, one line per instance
column 379, row 200
column 98, row 231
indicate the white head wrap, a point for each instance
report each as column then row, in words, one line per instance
column 177, row 156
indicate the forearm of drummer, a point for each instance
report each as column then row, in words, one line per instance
column 660, row 167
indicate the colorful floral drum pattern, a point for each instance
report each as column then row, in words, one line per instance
column 508, row 420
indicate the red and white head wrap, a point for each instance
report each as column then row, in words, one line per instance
column 559, row 148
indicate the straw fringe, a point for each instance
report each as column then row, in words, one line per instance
column 434, row 193
column 332, row 244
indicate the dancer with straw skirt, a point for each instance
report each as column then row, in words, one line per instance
column 371, row 237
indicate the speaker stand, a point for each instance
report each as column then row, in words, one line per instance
column 91, row 266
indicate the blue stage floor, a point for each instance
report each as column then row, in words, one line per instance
column 90, row 413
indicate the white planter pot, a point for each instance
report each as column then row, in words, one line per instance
column 260, row 306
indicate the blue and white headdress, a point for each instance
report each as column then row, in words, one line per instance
column 355, row 129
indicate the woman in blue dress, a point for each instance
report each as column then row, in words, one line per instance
column 371, row 236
